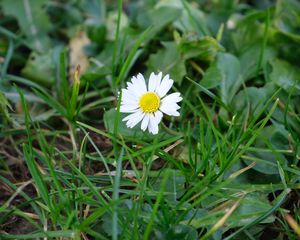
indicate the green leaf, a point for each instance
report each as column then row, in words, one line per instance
column 285, row 76
column 243, row 36
column 175, row 186
column 205, row 48
column 274, row 136
column 250, row 57
column 212, row 77
column 158, row 17
column 32, row 19
column 192, row 20
column 251, row 97
column 40, row 68
column 181, row 232
column 287, row 18
column 168, row 60
column 252, row 206
column 95, row 11
column 231, row 79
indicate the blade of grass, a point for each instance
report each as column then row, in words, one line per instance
column 7, row 59
column 116, row 124
column 115, row 196
column 264, row 42
column 63, row 78
column 278, row 202
column 29, row 157
column 89, row 184
column 48, row 234
column 117, row 36
column 221, row 222
column 156, row 206
column 131, row 55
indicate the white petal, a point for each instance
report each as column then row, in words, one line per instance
column 139, row 83
column 152, row 82
column 128, row 94
column 134, row 119
column 126, row 108
column 158, row 81
column 131, row 87
column 158, row 116
column 170, row 112
column 175, row 114
column 169, row 109
column 172, row 98
column 171, row 106
column 128, row 97
column 165, row 109
column 145, row 122
column 128, row 102
column 153, row 125
column 149, row 126
column 128, row 117
column 136, row 85
column 165, row 86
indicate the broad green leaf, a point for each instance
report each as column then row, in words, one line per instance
column 250, row 57
column 158, row 17
column 243, row 36
column 252, row 98
column 251, row 207
column 290, row 117
column 285, row 76
column 212, row 77
column 95, row 11
column 95, row 17
column 181, row 232
column 175, row 186
column 32, row 19
column 205, row 48
column 40, row 68
column 192, row 20
column 169, row 61
column 231, row 79
column 287, row 18
column 266, row 162
column 220, row 15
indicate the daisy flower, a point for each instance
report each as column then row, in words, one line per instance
column 147, row 104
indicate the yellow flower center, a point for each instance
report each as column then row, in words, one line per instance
column 149, row 102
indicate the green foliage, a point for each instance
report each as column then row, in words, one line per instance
column 168, row 60
column 287, row 18
column 231, row 79
column 227, row 168
column 33, row 21
column 39, row 68
column 205, row 48
column 4, row 106
column 285, row 76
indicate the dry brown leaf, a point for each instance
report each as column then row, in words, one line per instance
column 77, row 54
